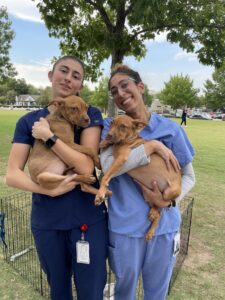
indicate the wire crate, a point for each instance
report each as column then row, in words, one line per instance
column 21, row 254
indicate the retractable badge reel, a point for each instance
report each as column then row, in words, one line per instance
column 82, row 247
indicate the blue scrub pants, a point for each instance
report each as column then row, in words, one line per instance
column 57, row 254
column 131, row 257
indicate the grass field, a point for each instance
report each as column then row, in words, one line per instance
column 203, row 274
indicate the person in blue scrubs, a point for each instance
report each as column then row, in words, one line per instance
column 130, row 255
column 65, row 215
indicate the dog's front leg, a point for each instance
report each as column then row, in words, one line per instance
column 121, row 157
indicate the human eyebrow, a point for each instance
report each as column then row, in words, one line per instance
column 75, row 73
column 64, row 67
column 116, row 86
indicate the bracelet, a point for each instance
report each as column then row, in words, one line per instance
column 51, row 141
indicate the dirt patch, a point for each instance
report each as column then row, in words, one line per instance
column 198, row 256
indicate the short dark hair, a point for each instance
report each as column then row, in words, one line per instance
column 124, row 69
column 69, row 57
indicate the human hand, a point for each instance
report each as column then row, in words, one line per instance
column 67, row 185
column 154, row 195
column 166, row 154
column 41, row 130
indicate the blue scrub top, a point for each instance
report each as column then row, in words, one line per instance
column 128, row 211
column 71, row 209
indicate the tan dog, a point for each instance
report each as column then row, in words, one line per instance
column 123, row 136
column 45, row 167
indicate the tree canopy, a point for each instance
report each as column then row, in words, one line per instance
column 179, row 92
column 6, row 37
column 94, row 30
column 215, row 90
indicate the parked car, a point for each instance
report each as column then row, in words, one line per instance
column 201, row 116
column 220, row 116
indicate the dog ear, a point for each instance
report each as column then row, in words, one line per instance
column 139, row 124
column 59, row 102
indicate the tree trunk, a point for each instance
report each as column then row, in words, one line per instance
column 117, row 57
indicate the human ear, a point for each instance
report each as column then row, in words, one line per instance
column 50, row 74
column 141, row 87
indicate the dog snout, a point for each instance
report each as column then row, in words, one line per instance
column 84, row 121
column 109, row 136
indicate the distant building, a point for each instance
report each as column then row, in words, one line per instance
column 160, row 108
column 26, row 100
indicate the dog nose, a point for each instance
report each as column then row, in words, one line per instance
column 86, row 119
column 109, row 136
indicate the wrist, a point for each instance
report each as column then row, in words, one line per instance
column 51, row 141
column 47, row 136
column 149, row 147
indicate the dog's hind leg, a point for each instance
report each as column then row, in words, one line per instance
column 172, row 191
column 49, row 180
column 154, row 216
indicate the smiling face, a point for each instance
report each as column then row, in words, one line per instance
column 66, row 78
column 126, row 93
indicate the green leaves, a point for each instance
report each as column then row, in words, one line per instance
column 215, row 89
column 94, row 30
column 6, row 37
column 179, row 92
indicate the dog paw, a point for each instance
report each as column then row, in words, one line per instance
column 149, row 235
column 98, row 200
column 91, row 179
column 153, row 214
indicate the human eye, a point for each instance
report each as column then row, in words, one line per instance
column 113, row 92
column 63, row 70
column 76, row 76
column 124, row 84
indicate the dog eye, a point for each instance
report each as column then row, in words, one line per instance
column 122, row 126
column 74, row 109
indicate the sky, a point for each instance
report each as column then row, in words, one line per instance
column 32, row 51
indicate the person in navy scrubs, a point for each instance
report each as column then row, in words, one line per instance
column 70, row 232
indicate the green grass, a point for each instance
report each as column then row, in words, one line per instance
column 203, row 274
column 8, row 120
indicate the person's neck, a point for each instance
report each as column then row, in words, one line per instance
column 142, row 114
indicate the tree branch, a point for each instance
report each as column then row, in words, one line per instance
column 175, row 25
column 98, row 5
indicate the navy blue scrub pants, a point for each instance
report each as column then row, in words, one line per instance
column 57, row 254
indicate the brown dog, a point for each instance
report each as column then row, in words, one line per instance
column 46, row 168
column 123, row 136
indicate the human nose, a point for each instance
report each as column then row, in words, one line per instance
column 120, row 91
column 68, row 77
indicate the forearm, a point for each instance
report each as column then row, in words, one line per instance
column 188, row 181
column 82, row 163
column 137, row 157
column 18, row 179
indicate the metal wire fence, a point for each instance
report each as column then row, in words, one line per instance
column 21, row 254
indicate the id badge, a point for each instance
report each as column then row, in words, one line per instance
column 83, row 254
column 176, row 244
